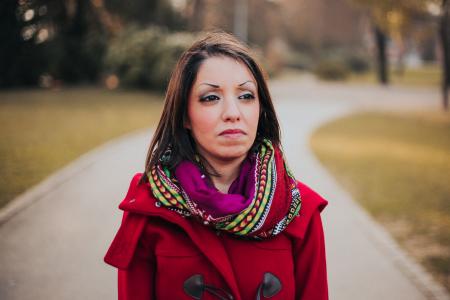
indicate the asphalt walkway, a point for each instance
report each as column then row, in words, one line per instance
column 53, row 237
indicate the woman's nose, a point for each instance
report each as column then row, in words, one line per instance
column 231, row 111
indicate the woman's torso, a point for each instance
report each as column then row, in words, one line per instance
column 223, row 260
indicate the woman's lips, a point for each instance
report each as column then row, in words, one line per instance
column 232, row 133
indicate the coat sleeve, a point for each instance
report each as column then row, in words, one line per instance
column 310, row 262
column 136, row 282
column 131, row 252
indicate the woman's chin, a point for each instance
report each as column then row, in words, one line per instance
column 233, row 153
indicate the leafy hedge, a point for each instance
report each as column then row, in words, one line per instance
column 144, row 58
column 332, row 70
column 339, row 64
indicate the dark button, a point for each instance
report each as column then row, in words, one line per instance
column 270, row 286
column 194, row 286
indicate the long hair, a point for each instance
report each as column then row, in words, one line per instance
column 171, row 133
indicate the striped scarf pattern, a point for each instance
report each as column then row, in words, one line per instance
column 248, row 222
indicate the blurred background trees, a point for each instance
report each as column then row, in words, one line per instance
column 46, row 42
column 397, row 19
column 62, row 38
column 54, row 42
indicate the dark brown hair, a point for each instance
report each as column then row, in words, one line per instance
column 171, row 133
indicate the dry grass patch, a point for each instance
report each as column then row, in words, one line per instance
column 397, row 166
column 425, row 76
column 44, row 130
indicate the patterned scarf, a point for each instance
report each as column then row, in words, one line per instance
column 260, row 203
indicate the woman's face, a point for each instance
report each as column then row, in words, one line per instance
column 223, row 109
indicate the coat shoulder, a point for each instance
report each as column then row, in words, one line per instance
column 119, row 252
column 132, row 189
column 311, row 200
column 134, row 183
column 312, row 203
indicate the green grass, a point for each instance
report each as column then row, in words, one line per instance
column 43, row 130
column 426, row 76
column 397, row 166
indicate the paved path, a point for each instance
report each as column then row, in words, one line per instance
column 363, row 261
column 53, row 248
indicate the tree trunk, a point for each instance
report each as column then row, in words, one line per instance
column 240, row 19
column 445, row 40
column 400, row 66
column 11, row 44
column 197, row 18
column 382, row 60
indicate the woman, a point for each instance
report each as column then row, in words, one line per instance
column 217, row 214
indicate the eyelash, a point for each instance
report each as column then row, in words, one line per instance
column 205, row 99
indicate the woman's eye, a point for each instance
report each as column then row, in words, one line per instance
column 247, row 96
column 209, row 98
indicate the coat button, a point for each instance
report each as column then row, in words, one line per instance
column 218, row 233
column 158, row 204
column 206, row 222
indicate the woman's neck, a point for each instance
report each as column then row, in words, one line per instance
column 228, row 170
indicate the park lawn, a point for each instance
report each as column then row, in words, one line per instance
column 397, row 166
column 425, row 76
column 43, row 130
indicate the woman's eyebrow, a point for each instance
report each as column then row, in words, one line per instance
column 246, row 82
column 210, row 84
column 218, row 86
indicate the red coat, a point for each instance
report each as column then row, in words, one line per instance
column 156, row 250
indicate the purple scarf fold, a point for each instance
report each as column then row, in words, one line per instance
column 201, row 190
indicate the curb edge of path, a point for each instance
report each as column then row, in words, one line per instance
column 58, row 177
column 423, row 279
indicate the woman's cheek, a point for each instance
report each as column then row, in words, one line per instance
column 252, row 119
column 203, row 126
column 206, row 123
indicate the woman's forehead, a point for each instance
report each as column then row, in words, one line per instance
column 221, row 70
